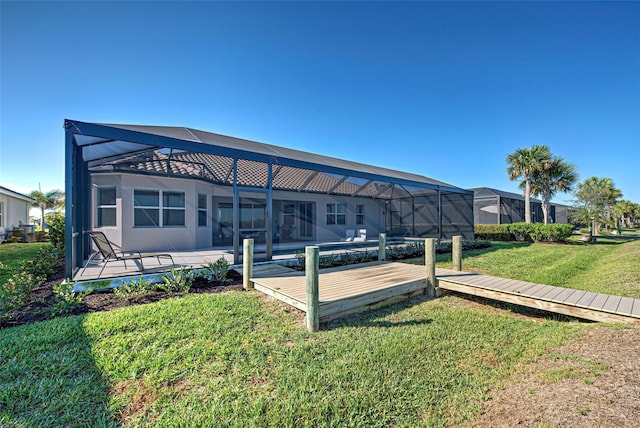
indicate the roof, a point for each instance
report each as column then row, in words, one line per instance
column 109, row 143
column 14, row 194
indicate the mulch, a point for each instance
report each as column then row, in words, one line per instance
column 38, row 307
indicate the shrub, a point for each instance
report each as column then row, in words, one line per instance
column 217, row 271
column 134, row 287
column 15, row 291
column 552, row 232
column 56, row 224
column 47, row 261
column 176, row 280
column 522, row 231
column 493, row 232
column 66, row 301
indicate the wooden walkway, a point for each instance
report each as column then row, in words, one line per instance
column 349, row 289
column 567, row 301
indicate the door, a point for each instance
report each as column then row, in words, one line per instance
column 288, row 222
column 305, row 212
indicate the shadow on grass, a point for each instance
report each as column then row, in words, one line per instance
column 48, row 377
column 371, row 318
column 511, row 308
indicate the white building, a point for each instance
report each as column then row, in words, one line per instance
column 14, row 211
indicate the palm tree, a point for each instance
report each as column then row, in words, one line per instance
column 523, row 164
column 556, row 175
column 53, row 199
column 595, row 198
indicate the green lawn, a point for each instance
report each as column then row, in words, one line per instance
column 236, row 359
column 239, row 359
column 12, row 254
column 610, row 266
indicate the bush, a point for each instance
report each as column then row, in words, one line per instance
column 56, row 224
column 552, row 232
column 475, row 244
column 177, row 280
column 47, row 261
column 217, row 271
column 15, row 291
column 134, row 287
column 66, row 301
column 493, row 232
column 30, row 273
column 522, row 231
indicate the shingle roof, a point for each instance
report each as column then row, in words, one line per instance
column 218, row 169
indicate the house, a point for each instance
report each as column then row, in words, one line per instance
column 493, row 206
column 14, row 211
column 161, row 188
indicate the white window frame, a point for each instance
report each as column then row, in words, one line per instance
column 360, row 214
column 334, row 215
column 182, row 208
column 2, row 214
column 204, row 210
column 160, row 207
column 103, row 206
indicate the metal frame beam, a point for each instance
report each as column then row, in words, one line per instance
column 96, row 130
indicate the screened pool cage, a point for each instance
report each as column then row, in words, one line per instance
column 153, row 188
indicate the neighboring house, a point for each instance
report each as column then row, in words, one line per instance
column 155, row 188
column 493, row 206
column 14, row 211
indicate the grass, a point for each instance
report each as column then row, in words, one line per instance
column 609, row 266
column 236, row 359
column 11, row 255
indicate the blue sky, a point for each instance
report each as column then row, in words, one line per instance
column 445, row 90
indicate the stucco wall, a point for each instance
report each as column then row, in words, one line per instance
column 192, row 236
column 15, row 212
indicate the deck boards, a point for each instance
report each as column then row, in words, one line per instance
column 347, row 288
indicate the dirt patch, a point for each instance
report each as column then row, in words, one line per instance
column 38, row 307
column 589, row 382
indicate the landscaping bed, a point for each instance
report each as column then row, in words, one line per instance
column 42, row 299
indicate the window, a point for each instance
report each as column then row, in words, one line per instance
column 173, row 209
column 1, row 214
column 253, row 216
column 336, row 214
column 106, row 204
column 202, row 210
column 359, row 214
column 147, row 207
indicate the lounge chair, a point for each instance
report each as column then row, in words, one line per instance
column 362, row 235
column 349, row 235
column 109, row 254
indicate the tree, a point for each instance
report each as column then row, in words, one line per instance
column 523, row 164
column 595, row 198
column 555, row 175
column 53, row 199
column 625, row 211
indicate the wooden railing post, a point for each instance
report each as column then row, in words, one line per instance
column 430, row 264
column 456, row 249
column 247, row 264
column 382, row 247
column 313, row 294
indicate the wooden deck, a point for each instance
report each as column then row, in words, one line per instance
column 346, row 289
column 349, row 289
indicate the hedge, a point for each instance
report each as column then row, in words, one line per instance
column 524, row 232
